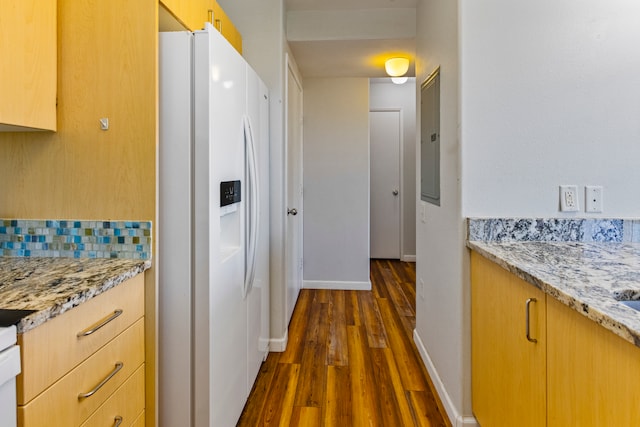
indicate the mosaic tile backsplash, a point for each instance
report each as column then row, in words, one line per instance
column 554, row 230
column 75, row 239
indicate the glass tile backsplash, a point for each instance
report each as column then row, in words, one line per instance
column 75, row 239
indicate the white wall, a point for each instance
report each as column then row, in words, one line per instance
column 336, row 181
column 386, row 95
column 442, row 310
column 551, row 96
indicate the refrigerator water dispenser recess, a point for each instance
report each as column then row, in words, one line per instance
column 230, row 195
column 229, row 192
column 230, row 219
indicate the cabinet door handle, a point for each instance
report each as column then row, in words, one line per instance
column 117, row 421
column 93, row 328
column 527, row 309
column 119, row 366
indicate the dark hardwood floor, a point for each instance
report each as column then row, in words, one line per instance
column 350, row 360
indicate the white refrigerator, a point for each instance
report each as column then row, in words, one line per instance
column 213, row 229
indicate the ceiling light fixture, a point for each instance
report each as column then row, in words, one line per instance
column 396, row 67
column 399, row 80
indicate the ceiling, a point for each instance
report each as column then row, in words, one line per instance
column 350, row 38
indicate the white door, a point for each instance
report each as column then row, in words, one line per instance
column 384, row 140
column 294, row 191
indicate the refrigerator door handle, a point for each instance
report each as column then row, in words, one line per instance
column 252, row 211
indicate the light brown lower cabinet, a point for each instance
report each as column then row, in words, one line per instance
column 507, row 370
column 140, row 421
column 127, row 402
column 86, row 366
column 576, row 373
column 593, row 375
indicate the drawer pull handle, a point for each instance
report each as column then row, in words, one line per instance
column 528, row 331
column 93, row 328
column 117, row 421
column 119, row 366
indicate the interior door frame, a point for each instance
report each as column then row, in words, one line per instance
column 291, row 71
column 401, row 171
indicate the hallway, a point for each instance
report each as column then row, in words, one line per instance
column 350, row 360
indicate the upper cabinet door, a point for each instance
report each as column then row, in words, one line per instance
column 223, row 24
column 28, row 71
column 192, row 14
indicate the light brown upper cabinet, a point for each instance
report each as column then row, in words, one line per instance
column 28, row 71
column 222, row 22
column 192, row 14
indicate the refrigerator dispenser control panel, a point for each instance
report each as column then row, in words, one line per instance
column 229, row 192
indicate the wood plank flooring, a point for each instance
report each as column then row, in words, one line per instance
column 350, row 361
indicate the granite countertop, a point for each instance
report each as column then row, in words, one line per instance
column 51, row 286
column 587, row 276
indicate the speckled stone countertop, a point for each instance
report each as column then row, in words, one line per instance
column 52, row 286
column 587, row 265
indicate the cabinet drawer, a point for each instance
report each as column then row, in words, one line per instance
column 140, row 421
column 61, row 401
column 127, row 403
column 41, row 366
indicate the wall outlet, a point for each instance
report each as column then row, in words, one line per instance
column 593, row 198
column 569, row 198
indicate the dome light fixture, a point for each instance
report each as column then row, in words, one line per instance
column 399, row 80
column 396, row 67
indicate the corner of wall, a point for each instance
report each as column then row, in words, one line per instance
column 457, row 419
column 279, row 345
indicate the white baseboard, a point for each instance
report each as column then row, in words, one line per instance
column 279, row 345
column 463, row 421
column 409, row 258
column 342, row 286
column 456, row 418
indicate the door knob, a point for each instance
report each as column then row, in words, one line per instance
column 395, row 192
column 293, row 211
